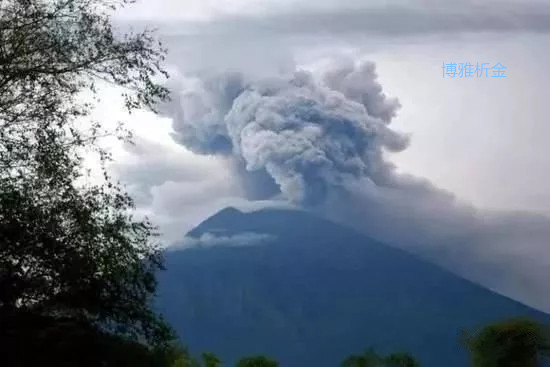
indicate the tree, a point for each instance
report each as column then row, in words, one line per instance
column 368, row 359
column 257, row 361
column 211, row 360
column 509, row 343
column 71, row 249
column 372, row 359
column 400, row 360
column 171, row 354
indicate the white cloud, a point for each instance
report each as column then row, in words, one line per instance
column 209, row 239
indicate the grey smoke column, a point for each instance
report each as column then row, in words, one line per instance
column 310, row 132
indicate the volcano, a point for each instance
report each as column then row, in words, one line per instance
column 310, row 292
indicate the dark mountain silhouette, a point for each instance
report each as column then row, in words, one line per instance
column 309, row 292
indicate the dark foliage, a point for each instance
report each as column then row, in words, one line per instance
column 516, row 342
column 372, row 359
column 75, row 265
column 257, row 361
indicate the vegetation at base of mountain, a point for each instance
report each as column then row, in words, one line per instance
column 30, row 340
column 371, row 359
column 517, row 342
column 257, row 361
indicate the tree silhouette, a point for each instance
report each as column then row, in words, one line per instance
column 371, row 359
column 257, row 361
column 368, row 359
column 509, row 343
column 71, row 251
column 400, row 360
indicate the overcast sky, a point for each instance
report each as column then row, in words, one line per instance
column 212, row 10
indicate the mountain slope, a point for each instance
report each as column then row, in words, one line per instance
column 310, row 292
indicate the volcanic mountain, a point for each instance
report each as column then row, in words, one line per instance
column 310, row 292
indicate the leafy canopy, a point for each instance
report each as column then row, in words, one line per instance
column 372, row 359
column 257, row 361
column 509, row 343
column 70, row 247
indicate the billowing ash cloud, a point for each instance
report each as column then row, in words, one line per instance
column 310, row 133
column 318, row 139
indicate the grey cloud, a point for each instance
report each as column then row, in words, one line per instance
column 428, row 19
column 174, row 187
column 393, row 20
column 506, row 252
column 153, row 168
column 162, row 165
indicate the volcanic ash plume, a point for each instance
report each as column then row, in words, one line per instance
column 310, row 133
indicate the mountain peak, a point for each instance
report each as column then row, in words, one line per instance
column 228, row 211
column 232, row 220
column 213, row 223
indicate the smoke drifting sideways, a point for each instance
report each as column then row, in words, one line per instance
column 320, row 140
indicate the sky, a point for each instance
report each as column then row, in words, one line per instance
column 481, row 141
